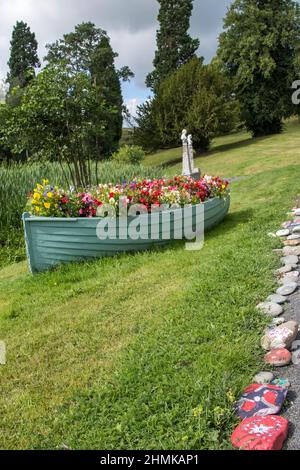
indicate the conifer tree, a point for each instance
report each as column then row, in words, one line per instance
column 175, row 47
column 23, row 56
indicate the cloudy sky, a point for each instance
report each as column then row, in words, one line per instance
column 131, row 24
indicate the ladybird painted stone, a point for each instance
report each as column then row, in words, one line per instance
column 261, row 433
column 261, row 400
column 278, row 357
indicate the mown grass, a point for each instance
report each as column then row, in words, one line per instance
column 239, row 154
column 147, row 350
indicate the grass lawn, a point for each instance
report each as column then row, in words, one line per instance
column 149, row 351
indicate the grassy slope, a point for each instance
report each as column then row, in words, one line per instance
column 118, row 353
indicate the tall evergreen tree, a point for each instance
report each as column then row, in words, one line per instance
column 259, row 51
column 88, row 50
column 23, row 56
column 175, row 47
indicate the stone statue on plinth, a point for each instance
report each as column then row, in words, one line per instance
column 188, row 156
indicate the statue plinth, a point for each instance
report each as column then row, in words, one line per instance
column 188, row 157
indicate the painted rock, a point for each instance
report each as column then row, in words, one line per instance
column 291, row 251
column 290, row 260
column 284, row 270
column 278, row 357
column 287, row 289
column 277, row 299
column 270, row 308
column 291, row 242
column 279, row 337
column 264, row 378
column 260, row 400
column 261, row 433
column 283, row 233
column 284, row 383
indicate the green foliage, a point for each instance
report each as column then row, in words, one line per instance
column 88, row 50
column 195, row 97
column 129, row 154
column 259, row 50
column 175, row 47
column 60, row 114
column 23, row 56
column 145, row 132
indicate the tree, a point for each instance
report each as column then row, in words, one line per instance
column 259, row 50
column 175, row 47
column 59, row 116
column 88, row 50
column 23, row 56
column 197, row 98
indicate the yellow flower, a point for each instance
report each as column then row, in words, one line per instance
column 37, row 196
column 37, row 209
column 45, row 182
column 49, row 195
column 35, row 203
column 47, row 205
column 39, row 186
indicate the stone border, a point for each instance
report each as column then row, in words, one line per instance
column 261, row 428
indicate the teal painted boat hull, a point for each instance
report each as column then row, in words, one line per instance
column 53, row 241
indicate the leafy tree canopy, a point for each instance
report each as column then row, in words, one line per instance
column 259, row 51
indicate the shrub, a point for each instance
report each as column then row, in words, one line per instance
column 129, row 154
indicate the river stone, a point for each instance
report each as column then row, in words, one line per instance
column 290, row 260
column 277, row 321
column 270, row 308
column 278, row 357
column 287, row 289
column 291, row 251
column 283, row 233
column 295, row 236
column 297, row 212
column 282, row 336
column 261, row 433
column 295, row 345
column 277, row 299
column 290, row 277
column 296, row 229
column 296, row 357
column 291, row 242
column 286, row 224
column 264, row 378
column 284, row 270
column 284, row 383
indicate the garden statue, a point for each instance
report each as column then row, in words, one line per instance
column 188, row 156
